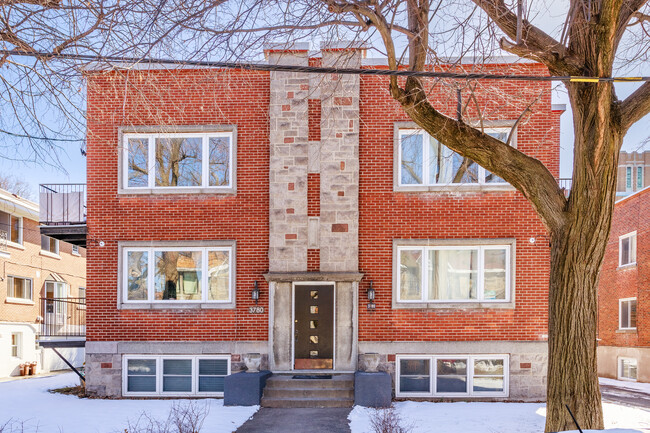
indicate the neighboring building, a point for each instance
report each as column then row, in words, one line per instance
column 205, row 185
column 624, row 292
column 34, row 267
column 633, row 172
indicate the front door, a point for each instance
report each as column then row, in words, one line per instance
column 314, row 327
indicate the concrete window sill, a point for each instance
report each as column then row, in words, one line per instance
column 19, row 301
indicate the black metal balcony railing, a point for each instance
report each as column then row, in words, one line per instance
column 62, row 204
column 63, row 317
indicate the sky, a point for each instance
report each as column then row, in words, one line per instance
column 549, row 17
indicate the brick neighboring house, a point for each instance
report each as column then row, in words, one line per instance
column 624, row 292
column 33, row 267
column 319, row 192
column 633, row 172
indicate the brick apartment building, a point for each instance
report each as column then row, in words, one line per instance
column 208, row 188
column 34, row 267
column 633, row 172
column 623, row 292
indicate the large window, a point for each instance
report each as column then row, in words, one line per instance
column 13, row 226
column 49, row 244
column 627, row 369
column 627, row 249
column 198, row 160
column 174, row 375
column 452, row 375
column 19, row 288
column 424, row 161
column 627, row 313
column 453, row 273
column 178, row 274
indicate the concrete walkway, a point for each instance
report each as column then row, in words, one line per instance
column 298, row 420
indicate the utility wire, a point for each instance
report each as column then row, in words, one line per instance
column 316, row 69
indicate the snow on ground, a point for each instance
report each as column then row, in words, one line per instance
column 463, row 417
column 29, row 401
column 634, row 386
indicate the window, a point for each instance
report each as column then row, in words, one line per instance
column 199, row 160
column 627, row 369
column 424, row 161
column 16, row 340
column 82, row 292
column 639, row 178
column 452, row 375
column 178, row 274
column 49, row 244
column 19, row 288
column 627, row 313
column 175, row 375
column 13, row 225
column 628, row 178
column 627, row 249
column 453, row 273
column 75, row 250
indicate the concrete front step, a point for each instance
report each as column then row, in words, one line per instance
column 306, row 402
column 282, row 391
column 343, row 393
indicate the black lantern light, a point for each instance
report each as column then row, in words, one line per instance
column 255, row 294
column 371, row 297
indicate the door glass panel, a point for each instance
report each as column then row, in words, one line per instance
column 313, row 309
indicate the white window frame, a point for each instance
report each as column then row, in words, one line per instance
column 21, row 221
column 480, row 283
column 11, row 289
column 159, row 375
column 426, row 139
column 56, row 245
column 433, row 371
column 632, row 244
column 17, row 346
column 150, row 275
column 621, row 303
column 151, row 163
column 75, row 250
column 620, row 368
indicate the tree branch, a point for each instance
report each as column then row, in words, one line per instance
column 635, row 106
column 535, row 44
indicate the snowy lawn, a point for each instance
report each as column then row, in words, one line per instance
column 30, row 402
column 426, row 417
column 633, row 386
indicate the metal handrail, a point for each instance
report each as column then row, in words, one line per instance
column 63, row 317
column 63, row 203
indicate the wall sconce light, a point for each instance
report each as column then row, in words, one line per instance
column 371, row 297
column 255, row 294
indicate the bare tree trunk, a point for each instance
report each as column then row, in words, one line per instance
column 577, row 251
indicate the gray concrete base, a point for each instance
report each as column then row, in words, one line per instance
column 244, row 389
column 372, row 389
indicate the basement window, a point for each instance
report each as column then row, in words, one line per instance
column 451, row 376
column 174, row 375
column 627, row 369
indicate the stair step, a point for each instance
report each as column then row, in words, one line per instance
column 309, row 392
column 306, row 402
column 338, row 381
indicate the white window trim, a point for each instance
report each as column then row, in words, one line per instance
column 10, row 281
column 20, row 242
column 470, row 375
column 203, row 132
column 620, row 315
column 480, row 283
column 159, row 375
column 410, row 128
column 150, row 302
column 619, row 368
column 75, row 253
column 632, row 249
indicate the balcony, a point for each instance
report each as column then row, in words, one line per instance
column 63, row 212
column 63, row 322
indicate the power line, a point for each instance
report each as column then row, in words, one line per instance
column 13, row 134
column 317, row 69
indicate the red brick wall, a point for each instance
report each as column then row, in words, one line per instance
column 626, row 282
column 177, row 98
column 385, row 215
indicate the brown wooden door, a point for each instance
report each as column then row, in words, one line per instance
column 314, row 327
